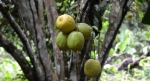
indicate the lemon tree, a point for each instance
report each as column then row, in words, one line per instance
column 65, row 23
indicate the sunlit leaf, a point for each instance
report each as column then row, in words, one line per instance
column 7, row 76
column 110, row 68
column 92, row 55
column 111, row 52
column 122, row 46
column 131, row 50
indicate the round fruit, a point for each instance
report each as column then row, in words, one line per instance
column 65, row 23
column 85, row 29
column 75, row 41
column 61, row 41
column 92, row 68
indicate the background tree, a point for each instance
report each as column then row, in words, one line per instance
column 33, row 24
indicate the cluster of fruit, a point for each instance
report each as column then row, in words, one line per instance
column 72, row 36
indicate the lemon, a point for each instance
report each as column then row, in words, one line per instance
column 65, row 23
column 61, row 41
column 92, row 68
column 75, row 41
column 85, row 29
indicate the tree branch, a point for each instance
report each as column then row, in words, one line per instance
column 116, row 56
column 85, row 8
column 86, row 15
column 133, row 63
column 51, row 13
column 18, row 56
column 73, row 69
column 24, row 40
column 41, row 40
column 115, row 23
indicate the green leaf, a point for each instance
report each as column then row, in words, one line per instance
column 130, row 50
column 110, row 68
column 122, row 46
column 7, row 61
column 92, row 54
column 126, row 36
column 105, row 26
column 111, row 52
column 55, row 27
column 7, row 76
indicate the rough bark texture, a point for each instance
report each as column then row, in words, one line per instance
column 38, row 15
column 19, row 57
column 32, row 18
column 116, row 17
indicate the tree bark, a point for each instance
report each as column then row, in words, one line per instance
column 19, row 57
column 32, row 19
column 36, row 16
column 115, row 20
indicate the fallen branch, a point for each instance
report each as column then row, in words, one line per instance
column 133, row 63
column 117, row 56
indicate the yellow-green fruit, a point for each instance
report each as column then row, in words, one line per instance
column 85, row 29
column 75, row 41
column 92, row 68
column 61, row 41
column 65, row 23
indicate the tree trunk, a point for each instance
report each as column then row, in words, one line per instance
column 38, row 18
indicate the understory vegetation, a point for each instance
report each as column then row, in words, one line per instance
column 128, row 58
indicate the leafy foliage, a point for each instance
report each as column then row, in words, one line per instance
column 9, row 69
column 133, row 39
